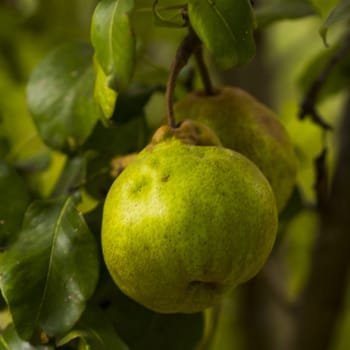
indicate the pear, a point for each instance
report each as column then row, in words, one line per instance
column 184, row 224
column 247, row 126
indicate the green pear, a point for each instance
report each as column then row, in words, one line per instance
column 184, row 224
column 247, row 126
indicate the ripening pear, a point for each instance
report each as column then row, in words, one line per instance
column 184, row 224
column 247, row 126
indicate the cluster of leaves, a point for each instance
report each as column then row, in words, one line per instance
column 88, row 105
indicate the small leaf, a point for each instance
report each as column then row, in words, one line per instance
column 60, row 96
column 338, row 78
column 226, row 29
column 9, row 340
column 95, row 332
column 14, row 200
column 131, row 103
column 270, row 11
column 105, row 96
column 341, row 13
column 114, row 41
column 50, row 271
column 324, row 6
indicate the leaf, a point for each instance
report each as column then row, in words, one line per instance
column 104, row 95
column 271, row 11
column 60, row 96
column 114, row 42
column 50, row 271
column 9, row 340
column 341, row 13
column 226, row 29
column 144, row 329
column 131, row 103
column 324, row 6
column 71, row 177
column 119, row 139
column 14, row 200
column 338, row 78
column 95, row 332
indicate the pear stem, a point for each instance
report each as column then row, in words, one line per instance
column 203, row 71
column 188, row 45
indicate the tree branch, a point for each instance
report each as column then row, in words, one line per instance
column 324, row 294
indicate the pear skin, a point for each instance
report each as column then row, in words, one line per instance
column 247, row 126
column 184, row 224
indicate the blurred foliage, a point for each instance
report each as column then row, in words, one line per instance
column 119, row 124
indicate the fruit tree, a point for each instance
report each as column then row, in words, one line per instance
column 174, row 174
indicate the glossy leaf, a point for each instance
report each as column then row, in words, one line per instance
column 71, row 177
column 9, row 340
column 270, row 11
column 114, row 41
column 50, row 271
column 104, row 95
column 14, row 200
column 226, row 29
column 95, row 332
column 341, row 13
column 60, row 96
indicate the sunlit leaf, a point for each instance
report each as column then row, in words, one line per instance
column 226, row 29
column 14, row 200
column 60, row 96
column 95, row 332
column 341, row 13
column 324, row 6
column 9, row 340
column 104, row 95
column 270, row 11
column 50, row 271
column 114, row 41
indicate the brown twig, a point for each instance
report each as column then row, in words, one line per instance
column 183, row 53
column 203, row 71
column 308, row 106
column 321, row 182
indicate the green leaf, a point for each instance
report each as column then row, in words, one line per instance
column 131, row 103
column 324, row 6
column 14, row 200
column 338, row 78
column 119, row 139
column 50, row 271
column 226, row 29
column 114, row 41
column 60, row 96
column 71, row 177
column 9, row 340
column 341, row 13
column 95, row 332
column 104, row 95
column 141, row 328
column 270, row 11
